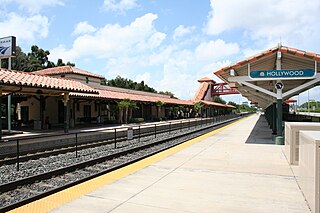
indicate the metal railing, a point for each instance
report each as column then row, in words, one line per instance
column 23, row 145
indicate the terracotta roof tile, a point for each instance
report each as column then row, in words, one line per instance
column 114, row 95
column 67, row 70
column 11, row 78
column 204, row 86
column 211, row 103
column 283, row 49
column 206, row 79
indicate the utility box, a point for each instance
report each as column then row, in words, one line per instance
column 291, row 131
column 36, row 124
column 309, row 168
column 130, row 133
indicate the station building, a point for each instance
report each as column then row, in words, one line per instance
column 42, row 109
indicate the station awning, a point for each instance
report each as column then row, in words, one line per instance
column 238, row 74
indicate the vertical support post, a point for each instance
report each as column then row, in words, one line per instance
column 0, row 113
column 115, row 138
column 18, row 154
column 76, row 145
column 139, row 133
column 66, row 112
column 279, row 112
column 274, row 118
column 9, row 100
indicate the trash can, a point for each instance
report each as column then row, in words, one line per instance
column 279, row 140
column 36, row 124
column 130, row 133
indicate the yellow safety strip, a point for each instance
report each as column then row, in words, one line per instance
column 55, row 200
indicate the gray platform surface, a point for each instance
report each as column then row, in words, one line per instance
column 223, row 173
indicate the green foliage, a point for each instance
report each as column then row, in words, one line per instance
column 232, row 104
column 218, row 99
column 129, row 84
column 159, row 103
column 37, row 59
column 246, row 108
column 167, row 93
column 136, row 120
column 197, row 106
column 314, row 106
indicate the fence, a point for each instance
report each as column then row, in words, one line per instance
column 21, row 146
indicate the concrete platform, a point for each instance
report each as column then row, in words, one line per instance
column 233, row 169
column 222, row 173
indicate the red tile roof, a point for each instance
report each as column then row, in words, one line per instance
column 211, row 103
column 17, row 78
column 206, row 79
column 114, row 95
column 283, row 49
column 67, row 70
column 204, row 86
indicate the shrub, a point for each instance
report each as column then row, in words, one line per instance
column 136, row 120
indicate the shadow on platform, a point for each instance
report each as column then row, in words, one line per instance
column 261, row 133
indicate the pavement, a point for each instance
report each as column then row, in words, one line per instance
column 234, row 169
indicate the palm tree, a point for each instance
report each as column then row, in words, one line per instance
column 124, row 106
column 159, row 104
column 197, row 107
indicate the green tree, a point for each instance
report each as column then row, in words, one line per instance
column 218, row 99
column 125, row 107
column 129, row 84
column 167, row 93
column 159, row 104
column 37, row 59
column 197, row 107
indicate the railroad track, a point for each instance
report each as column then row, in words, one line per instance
column 32, row 187
column 36, row 154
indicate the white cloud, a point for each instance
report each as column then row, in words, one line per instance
column 119, row 5
column 181, row 31
column 25, row 28
column 143, row 77
column 214, row 50
column 33, row 6
column 83, row 28
column 114, row 40
column 295, row 22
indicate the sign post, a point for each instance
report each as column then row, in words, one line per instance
column 7, row 50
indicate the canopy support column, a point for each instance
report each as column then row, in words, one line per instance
column 66, row 112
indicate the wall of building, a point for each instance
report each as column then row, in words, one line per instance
column 92, row 81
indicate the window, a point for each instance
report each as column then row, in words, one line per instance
column 87, row 79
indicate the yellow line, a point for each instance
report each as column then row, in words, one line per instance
column 55, row 200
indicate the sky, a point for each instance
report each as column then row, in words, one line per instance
column 169, row 44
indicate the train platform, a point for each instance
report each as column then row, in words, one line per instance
column 236, row 168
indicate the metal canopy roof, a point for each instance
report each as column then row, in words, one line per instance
column 290, row 59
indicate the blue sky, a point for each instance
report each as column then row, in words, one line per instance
column 167, row 43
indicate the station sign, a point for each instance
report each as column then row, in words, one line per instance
column 8, row 47
column 283, row 74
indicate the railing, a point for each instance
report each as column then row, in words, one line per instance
column 23, row 145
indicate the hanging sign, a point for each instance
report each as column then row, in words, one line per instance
column 7, row 47
column 283, row 74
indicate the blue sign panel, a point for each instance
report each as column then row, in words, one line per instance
column 282, row 74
